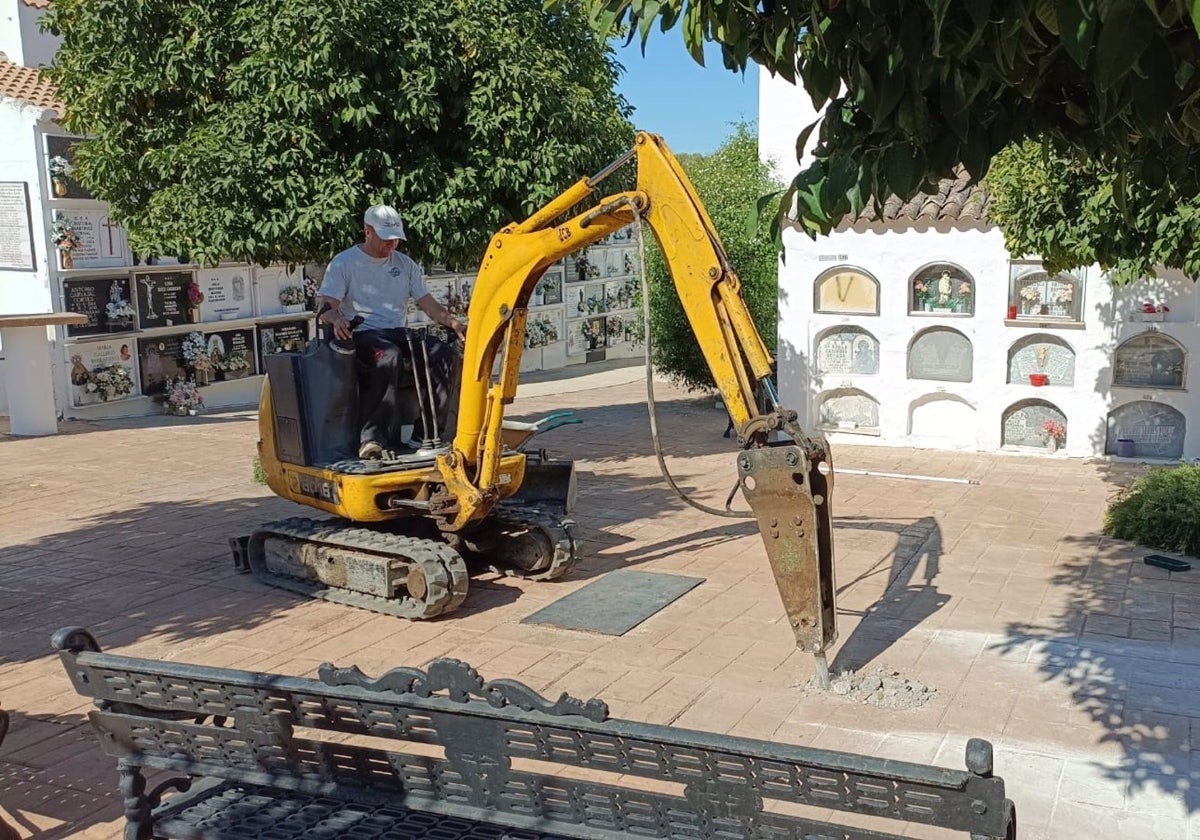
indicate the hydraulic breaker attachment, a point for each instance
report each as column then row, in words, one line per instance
column 790, row 498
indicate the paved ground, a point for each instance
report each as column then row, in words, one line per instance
column 1078, row 661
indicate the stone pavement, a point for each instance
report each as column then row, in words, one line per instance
column 1078, row 661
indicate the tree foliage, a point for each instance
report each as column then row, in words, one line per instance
column 262, row 130
column 729, row 182
column 912, row 88
column 1073, row 212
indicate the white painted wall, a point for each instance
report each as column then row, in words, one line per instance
column 21, row 38
column 968, row 415
column 784, row 110
column 24, row 291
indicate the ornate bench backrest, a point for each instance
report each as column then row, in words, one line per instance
column 444, row 740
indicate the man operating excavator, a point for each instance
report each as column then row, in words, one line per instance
column 374, row 281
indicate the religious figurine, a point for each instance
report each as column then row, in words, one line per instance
column 944, row 287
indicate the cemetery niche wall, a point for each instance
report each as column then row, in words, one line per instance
column 1037, row 295
column 1156, row 430
column 1149, row 360
column 942, row 354
column 1041, row 355
column 847, row 351
column 846, row 290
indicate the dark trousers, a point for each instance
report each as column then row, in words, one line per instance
column 388, row 397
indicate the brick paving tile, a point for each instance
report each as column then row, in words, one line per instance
column 1080, row 662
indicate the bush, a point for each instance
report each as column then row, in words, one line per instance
column 1161, row 510
column 260, row 475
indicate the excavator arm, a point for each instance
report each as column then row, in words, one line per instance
column 784, row 474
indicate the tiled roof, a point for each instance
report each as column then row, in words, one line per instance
column 37, row 4
column 957, row 200
column 26, row 84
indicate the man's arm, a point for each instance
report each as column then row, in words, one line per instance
column 441, row 315
column 341, row 326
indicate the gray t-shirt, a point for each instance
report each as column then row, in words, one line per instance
column 376, row 289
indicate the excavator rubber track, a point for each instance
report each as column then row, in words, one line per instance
column 342, row 562
column 525, row 541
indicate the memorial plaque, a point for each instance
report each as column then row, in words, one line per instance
column 269, row 281
column 162, row 298
column 105, row 301
column 1024, row 421
column 584, row 265
column 1037, row 294
column 64, row 147
column 160, row 359
column 1149, row 360
column 314, row 275
column 231, row 354
column 941, row 354
column 849, row 411
column 92, row 374
column 103, row 244
column 1157, row 430
column 16, row 227
column 847, row 290
column 848, row 351
column 1041, row 354
column 227, row 293
column 285, row 337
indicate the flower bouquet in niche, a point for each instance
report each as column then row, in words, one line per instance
column 60, row 170
column 195, row 353
column 182, row 398
column 112, row 382
column 1032, row 297
column 292, row 298
column 1154, row 311
column 195, row 298
column 232, row 365
column 66, row 240
column 1054, row 434
column 921, row 295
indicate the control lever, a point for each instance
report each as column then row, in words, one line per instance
column 343, row 347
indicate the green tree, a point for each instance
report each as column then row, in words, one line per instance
column 729, row 182
column 1073, row 212
column 912, row 88
column 261, row 130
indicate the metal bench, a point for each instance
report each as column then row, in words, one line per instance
column 441, row 753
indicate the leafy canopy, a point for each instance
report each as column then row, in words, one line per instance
column 912, row 88
column 262, row 130
column 729, row 182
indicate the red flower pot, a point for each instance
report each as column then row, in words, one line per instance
column 1038, row 379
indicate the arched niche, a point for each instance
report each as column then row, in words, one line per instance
column 846, row 290
column 846, row 350
column 1024, row 421
column 943, row 288
column 1041, row 353
column 942, row 354
column 947, row 418
column 1157, row 430
column 1150, row 360
column 848, row 409
column 1037, row 294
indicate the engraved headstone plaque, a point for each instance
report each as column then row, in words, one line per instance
column 1024, row 422
column 105, row 301
column 91, row 362
column 228, row 293
column 1041, row 354
column 102, row 243
column 162, row 298
column 848, row 290
column 1157, row 430
column 941, row 354
column 848, row 351
column 160, row 359
column 1149, row 360
column 286, row 337
column 231, row 354
column 16, row 227
column 850, row 410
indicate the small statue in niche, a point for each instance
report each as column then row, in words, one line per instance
column 944, row 287
column 79, row 374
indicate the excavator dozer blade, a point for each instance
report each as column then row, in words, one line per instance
column 790, row 499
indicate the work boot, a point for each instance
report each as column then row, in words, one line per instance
column 370, row 451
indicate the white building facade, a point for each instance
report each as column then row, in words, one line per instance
column 916, row 327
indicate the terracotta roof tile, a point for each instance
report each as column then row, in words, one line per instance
column 37, row 4
column 26, row 84
column 956, row 200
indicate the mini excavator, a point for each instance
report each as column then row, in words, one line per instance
column 402, row 528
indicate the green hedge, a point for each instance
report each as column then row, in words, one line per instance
column 1160, row 510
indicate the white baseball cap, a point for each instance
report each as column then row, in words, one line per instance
column 386, row 222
